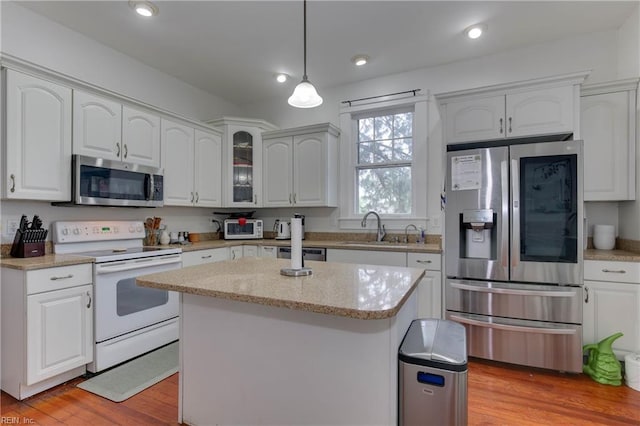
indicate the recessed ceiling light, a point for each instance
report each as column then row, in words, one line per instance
column 144, row 8
column 475, row 31
column 281, row 77
column 360, row 60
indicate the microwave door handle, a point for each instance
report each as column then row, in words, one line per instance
column 515, row 217
column 148, row 186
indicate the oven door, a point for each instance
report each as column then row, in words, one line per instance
column 121, row 306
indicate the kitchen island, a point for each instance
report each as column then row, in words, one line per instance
column 261, row 348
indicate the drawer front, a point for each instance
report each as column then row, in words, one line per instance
column 50, row 279
column 620, row 272
column 430, row 261
column 526, row 301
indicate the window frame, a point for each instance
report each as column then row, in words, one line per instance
column 350, row 218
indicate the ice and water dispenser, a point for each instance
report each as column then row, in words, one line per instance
column 478, row 236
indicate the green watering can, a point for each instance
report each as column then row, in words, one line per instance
column 602, row 365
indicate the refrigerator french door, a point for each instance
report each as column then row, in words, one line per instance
column 513, row 254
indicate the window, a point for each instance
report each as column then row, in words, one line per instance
column 384, row 158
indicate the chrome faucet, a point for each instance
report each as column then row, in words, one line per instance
column 406, row 232
column 381, row 231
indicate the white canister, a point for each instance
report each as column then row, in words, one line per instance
column 632, row 371
column 604, row 237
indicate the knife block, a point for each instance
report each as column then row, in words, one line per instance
column 25, row 243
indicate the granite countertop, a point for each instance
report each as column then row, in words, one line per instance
column 611, row 255
column 349, row 290
column 42, row 262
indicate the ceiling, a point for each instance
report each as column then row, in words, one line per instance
column 232, row 49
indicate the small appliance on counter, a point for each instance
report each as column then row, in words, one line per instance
column 282, row 229
column 243, row 229
column 29, row 239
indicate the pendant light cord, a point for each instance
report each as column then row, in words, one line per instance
column 304, row 12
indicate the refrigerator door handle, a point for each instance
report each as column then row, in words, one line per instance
column 507, row 327
column 542, row 293
column 515, row 217
column 504, row 218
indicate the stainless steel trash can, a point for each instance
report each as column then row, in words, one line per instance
column 432, row 374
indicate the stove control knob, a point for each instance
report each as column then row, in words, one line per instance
column 96, row 230
column 115, row 230
column 65, row 231
column 139, row 228
column 132, row 229
column 76, row 231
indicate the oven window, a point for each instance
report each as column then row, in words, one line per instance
column 130, row 298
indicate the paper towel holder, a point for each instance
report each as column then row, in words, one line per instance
column 290, row 272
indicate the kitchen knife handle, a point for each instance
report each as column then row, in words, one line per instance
column 13, row 183
column 117, row 149
column 501, row 126
column 126, row 150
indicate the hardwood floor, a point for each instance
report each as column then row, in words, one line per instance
column 498, row 395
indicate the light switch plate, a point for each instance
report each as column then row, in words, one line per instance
column 12, row 227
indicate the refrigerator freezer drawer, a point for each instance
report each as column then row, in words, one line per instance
column 515, row 300
column 536, row 344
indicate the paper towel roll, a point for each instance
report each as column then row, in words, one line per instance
column 632, row 371
column 296, row 243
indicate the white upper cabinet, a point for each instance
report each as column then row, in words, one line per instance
column 608, row 117
column 140, row 137
column 529, row 108
column 300, row 166
column 38, row 139
column 191, row 160
column 242, row 160
column 97, row 126
column 104, row 128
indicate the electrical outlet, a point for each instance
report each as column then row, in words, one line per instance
column 12, row 227
column 435, row 221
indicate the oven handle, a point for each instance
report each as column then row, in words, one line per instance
column 516, row 328
column 127, row 265
column 511, row 291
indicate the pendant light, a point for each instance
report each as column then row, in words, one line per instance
column 305, row 95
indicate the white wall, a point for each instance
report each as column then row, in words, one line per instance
column 596, row 52
column 629, row 66
column 33, row 38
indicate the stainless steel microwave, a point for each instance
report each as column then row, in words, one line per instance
column 100, row 182
column 243, row 229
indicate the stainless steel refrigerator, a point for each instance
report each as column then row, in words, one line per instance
column 514, row 251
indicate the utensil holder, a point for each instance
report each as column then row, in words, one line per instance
column 604, row 237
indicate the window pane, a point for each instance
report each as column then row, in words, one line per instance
column 365, row 129
column 403, row 125
column 384, row 126
column 403, row 149
column 387, row 190
column 384, row 151
column 365, row 152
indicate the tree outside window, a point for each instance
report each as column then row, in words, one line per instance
column 383, row 169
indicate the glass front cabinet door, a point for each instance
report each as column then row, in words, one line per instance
column 242, row 168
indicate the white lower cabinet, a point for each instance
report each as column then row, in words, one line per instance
column 268, row 251
column 367, row 257
column 47, row 327
column 430, row 287
column 237, row 252
column 612, row 304
column 200, row 257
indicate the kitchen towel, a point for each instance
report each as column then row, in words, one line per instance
column 128, row 379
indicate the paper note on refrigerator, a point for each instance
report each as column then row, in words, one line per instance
column 466, row 172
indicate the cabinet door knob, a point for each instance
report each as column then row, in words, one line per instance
column 89, row 303
column 13, row 183
column 501, row 126
column 118, row 149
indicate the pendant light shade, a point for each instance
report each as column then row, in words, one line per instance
column 305, row 95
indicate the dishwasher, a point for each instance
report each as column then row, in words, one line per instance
column 308, row 253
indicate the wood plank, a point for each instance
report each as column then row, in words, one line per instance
column 498, row 394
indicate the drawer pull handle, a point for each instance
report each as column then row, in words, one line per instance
column 614, row 271
column 424, row 261
column 13, row 183
column 206, row 257
column 89, row 303
column 586, row 294
column 62, row 278
column 501, row 126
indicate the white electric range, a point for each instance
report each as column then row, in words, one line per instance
column 128, row 320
